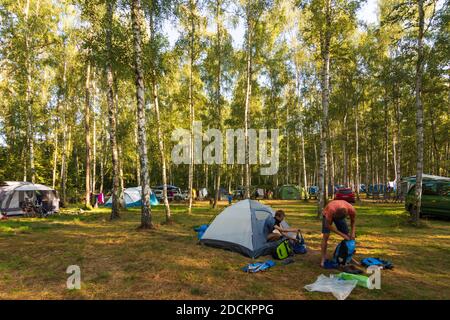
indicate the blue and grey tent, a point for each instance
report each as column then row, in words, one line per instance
column 132, row 198
column 240, row 228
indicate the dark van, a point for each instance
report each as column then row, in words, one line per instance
column 435, row 198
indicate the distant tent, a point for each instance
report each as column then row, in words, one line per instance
column 202, row 193
column 313, row 191
column 13, row 194
column 132, row 198
column 240, row 228
column 289, row 192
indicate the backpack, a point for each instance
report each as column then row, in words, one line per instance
column 299, row 247
column 283, row 250
column 344, row 252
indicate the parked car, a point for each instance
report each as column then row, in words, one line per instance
column 173, row 193
column 346, row 194
column 435, row 198
column 158, row 193
column 185, row 195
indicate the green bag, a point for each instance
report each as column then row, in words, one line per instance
column 283, row 250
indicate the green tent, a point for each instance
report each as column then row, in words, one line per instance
column 289, row 192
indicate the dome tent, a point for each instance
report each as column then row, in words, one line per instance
column 289, row 192
column 240, row 228
column 14, row 193
column 132, row 198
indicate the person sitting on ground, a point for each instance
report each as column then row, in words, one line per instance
column 275, row 231
column 335, row 212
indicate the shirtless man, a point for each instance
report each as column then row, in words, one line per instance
column 333, row 219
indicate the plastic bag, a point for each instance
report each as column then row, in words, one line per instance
column 341, row 289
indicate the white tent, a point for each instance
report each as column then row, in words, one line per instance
column 132, row 198
column 13, row 194
column 240, row 228
column 202, row 193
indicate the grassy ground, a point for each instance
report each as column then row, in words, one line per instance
column 119, row 262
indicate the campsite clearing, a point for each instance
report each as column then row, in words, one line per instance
column 119, row 262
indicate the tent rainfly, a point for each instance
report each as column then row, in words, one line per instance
column 13, row 194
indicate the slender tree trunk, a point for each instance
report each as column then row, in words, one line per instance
column 316, row 165
column 102, row 157
column 161, row 148
column 94, row 140
column 138, row 165
column 24, row 161
column 398, row 147
column 136, row 18
column 63, row 175
column 87, row 133
column 29, row 97
column 357, row 177
column 94, row 156
column 419, row 114
column 325, row 52
column 56, row 140
column 191, row 105
column 218, row 93
column 112, row 113
column 122, row 204
column 247, row 106
column 367, row 181
column 305, row 183
column 331, row 171
column 386, row 177
column 287, row 144
column 159, row 130
column 344, row 152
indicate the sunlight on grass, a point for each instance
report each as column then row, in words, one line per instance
column 119, row 262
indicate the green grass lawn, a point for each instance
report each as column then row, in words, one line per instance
column 119, row 262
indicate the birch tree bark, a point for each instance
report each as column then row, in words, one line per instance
column 87, row 134
column 191, row 104
column 325, row 53
column 112, row 112
column 247, row 104
column 136, row 19
column 419, row 114
column 218, row 93
column 159, row 130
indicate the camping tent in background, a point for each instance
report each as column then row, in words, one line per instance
column 202, row 193
column 313, row 191
column 260, row 193
column 240, row 228
column 132, row 198
column 14, row 193
column 289, row 192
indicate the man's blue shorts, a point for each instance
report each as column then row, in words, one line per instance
column 340, row 224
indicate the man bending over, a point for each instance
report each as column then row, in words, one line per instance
column 335, row 213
